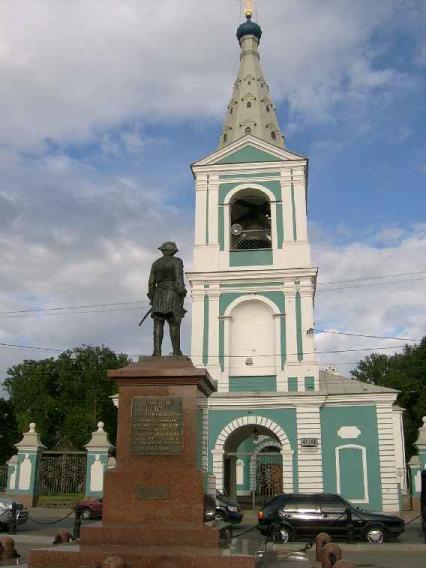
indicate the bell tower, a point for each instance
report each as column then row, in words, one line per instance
column 252, row 280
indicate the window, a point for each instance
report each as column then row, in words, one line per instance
column 250, row 221
column 293, row 384
column 248, row 130
column 249, row 104
column 333, row 505
column 231, row 110
column 273, row 136
column 268, row 108
column 225, row 137
column 302, row 505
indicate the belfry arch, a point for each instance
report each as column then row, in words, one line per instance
column 234, row 433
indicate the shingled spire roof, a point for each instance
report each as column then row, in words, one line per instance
column 251, row 110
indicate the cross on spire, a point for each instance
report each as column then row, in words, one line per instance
column 248, row 6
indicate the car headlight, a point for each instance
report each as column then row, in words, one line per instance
column 233, row 509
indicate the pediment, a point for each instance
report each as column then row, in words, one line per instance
column 249, row 149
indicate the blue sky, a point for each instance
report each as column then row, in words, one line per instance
column 103, row 110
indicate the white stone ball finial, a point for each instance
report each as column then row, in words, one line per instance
column 32, row 427
column 101, row 426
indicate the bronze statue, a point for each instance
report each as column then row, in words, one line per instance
column 166, row 292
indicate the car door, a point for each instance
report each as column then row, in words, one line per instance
column 334, row 517
column 303, row 513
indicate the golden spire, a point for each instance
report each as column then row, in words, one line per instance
column 248, row 8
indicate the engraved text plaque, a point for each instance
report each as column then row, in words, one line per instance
column 157, row 426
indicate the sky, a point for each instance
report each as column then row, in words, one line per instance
column 105, row 103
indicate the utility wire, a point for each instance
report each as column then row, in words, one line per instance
column 363, row 335
column 252, row 355
column 32, row 310
column 143, row 301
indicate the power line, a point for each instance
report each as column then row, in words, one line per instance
column 253, row 355
column 370, row 285
column 363, row 335
column 35, row 311
column 84, row 306
column 383, row 276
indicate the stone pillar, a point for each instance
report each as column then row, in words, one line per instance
column 98, row 450
column 27, row 468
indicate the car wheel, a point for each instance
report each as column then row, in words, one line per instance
column 375, row 535
column 220, row 516
column 86, row 514
column 281, row 535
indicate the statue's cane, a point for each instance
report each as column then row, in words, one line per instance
column 144, row 317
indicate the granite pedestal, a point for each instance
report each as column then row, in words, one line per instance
column 153, row 498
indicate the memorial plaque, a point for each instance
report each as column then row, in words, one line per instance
column 157, row 426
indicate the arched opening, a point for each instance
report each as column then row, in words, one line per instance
column 248, row 104
column 251, row 221
column 248, row 130
column 251, row 475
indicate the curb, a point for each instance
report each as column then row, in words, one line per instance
column 371, row 548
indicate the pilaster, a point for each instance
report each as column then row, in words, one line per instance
column 310, row 471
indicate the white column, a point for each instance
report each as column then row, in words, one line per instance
column 310, row 471
column 291, row 330
column 197, row 326
column 306, row 297
column 213, row 210
column 389, row 480
column 287, row 457
column 218, row 468
column 200, row 209
column 213, row 366
column 299, row 184
column 287, row 206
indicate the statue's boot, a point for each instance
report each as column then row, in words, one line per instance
column 158, row 337
column 175, row 338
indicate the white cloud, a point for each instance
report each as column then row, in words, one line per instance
column 70, row 69
column 392, row 307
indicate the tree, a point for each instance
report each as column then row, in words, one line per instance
column 9, row 433
column 405, row 372
column 66, row 396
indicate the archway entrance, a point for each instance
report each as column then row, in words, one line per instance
column 253, row 460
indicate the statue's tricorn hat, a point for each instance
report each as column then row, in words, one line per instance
column 169, row 246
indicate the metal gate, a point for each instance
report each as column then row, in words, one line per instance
column 268, row 477
column 62, row 478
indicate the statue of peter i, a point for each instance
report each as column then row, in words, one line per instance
column 166, row 292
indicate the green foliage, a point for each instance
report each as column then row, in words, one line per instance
column 9, row 433
column 67, row 396
column 405, row 372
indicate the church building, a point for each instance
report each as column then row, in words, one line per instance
column 278, row 423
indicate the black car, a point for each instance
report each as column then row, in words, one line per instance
column 227, row 509
column 294, row 515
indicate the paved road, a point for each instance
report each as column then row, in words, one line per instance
column 34, row 535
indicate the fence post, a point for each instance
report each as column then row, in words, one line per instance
column 26, row 472
column 98, row 450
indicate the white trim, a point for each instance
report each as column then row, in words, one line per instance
column 364, row 467
column 280, row 153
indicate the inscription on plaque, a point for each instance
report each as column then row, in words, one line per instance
column 157, row 426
